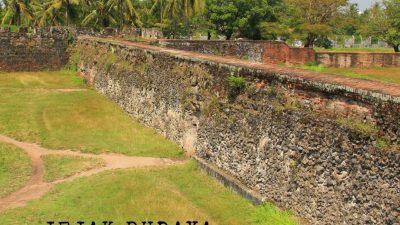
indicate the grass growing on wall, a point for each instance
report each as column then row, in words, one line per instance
column 374, row 50
column 383, row 74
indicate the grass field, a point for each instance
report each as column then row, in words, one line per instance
column 59, row 167
column 377, row 50
column 34, row 108
column 44, row 108
column 15, row 169
column 177, row 193
column 383, row 74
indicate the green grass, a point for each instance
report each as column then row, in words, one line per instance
column 383, row 74
column 41, row 80
column 177, row 193
column 358, row 125
column 15, row 169
column 33, row 109
column 374, row 50
column 58, row 167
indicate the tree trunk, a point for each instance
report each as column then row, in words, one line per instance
column 67, row 16
column 208, row 35
column 396, row 48
column 228, row 36
column 310, row 41
column 121, row 14
column 161, row 11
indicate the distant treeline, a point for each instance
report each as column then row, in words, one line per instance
column 311, row 21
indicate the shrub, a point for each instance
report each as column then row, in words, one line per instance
column 237, row 82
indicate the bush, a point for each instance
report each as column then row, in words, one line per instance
column 236, row 82
column 324, row 42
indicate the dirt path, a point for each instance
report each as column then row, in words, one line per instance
column 36, row 187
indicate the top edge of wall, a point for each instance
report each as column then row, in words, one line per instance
column 292, row 76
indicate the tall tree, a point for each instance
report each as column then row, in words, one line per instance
column 58, row 12
column 315, row 16
column 392, row 12
column 17, row 12
column 223, row 15
column 99, row 14
column 126, row 13
column 243, row 17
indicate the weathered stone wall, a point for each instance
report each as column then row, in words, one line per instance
column 346, row 60
column 44, row 49
column 274, row 52
column 325, row 151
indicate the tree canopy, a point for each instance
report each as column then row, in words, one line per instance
column 312, row 21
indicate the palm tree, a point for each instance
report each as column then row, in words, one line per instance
column 126, row 12
column 100, row 14
column 57, row 12
column 174, row 8
column 17, row 12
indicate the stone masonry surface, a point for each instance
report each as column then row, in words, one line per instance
column 307, row 142
column 45, row 49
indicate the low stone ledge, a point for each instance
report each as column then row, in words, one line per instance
column 229, row 181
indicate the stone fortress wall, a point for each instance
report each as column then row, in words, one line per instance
column 256, row 51
column 276, row 52
column 326, row 151
column 43, row 49
column 46, row 48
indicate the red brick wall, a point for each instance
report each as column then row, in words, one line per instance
column 301, row 55
column 275, row 52
column 269, row 52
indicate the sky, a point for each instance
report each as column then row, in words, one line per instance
column 363, row 4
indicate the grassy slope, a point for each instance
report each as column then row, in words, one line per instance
column 15, row 169
column 177, row 193
column 59, row 167
column 384, row 74
column 33, row 110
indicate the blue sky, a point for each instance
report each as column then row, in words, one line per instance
column 363, row 4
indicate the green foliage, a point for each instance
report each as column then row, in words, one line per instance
column 243, row 16
column 237, row 82
column 384, row 22
column 382, row 143
column 366, row 128
column 74, row 59
column 274, row 30
column 17, row 12
column 313, row 17
column 323, row 42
